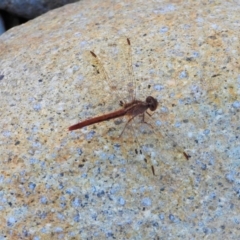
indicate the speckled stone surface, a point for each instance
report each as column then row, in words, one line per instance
column 90, row 184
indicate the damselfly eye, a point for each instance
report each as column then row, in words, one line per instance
column 152, row 103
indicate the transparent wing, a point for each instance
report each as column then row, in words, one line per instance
column 125, row 64
column 104, row 92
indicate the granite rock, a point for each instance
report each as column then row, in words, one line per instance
column 90, row 183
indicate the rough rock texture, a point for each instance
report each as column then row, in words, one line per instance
column 92, row 184
column 31, row 9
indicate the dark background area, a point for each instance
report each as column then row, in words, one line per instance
column 17, row 12
column 10, row 20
